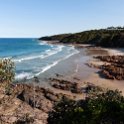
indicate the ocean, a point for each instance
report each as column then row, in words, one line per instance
column 33, row 57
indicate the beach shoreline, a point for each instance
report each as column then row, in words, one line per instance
column 75, row 68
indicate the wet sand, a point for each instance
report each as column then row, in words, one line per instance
column 73, row 69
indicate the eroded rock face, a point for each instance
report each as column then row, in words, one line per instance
column 29, row 103
column 37, row 97
column 29, row 100
column 115, row 68
column 13, row 110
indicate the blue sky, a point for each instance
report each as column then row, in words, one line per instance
column 35, row 18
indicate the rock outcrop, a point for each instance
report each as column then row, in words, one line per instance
column 114, row 69
column 74, row 87
column 27, row 103
column 30, row 104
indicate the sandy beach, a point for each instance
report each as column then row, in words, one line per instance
column 76, row 69
column 99, row 80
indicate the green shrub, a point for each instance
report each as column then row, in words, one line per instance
column 106, row 107
column 7, row 73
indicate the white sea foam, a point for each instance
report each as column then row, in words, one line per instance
column 23, row 75
column 43, row 43
column 56, row 62
column 52, row 52
column 47, row 67
column 71, row 52
column 27, row 58
column 46, row 54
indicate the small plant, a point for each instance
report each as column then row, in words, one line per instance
column 7, row 73
column 26, row 119
column 104, row 107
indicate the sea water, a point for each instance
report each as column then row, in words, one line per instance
column 33, row 57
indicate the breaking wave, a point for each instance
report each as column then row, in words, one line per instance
column 45, row 68
column 43, row 55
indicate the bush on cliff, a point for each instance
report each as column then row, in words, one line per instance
column 7, row 73
column 103, row 108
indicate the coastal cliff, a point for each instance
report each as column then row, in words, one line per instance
column 110, row 37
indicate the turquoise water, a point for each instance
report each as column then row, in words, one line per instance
column 33, row 57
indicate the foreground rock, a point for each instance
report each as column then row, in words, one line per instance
column 15, row 111
column 27, row 102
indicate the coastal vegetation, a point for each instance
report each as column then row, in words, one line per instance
column 110, row 37
column 7, row 74
column 104, row 107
